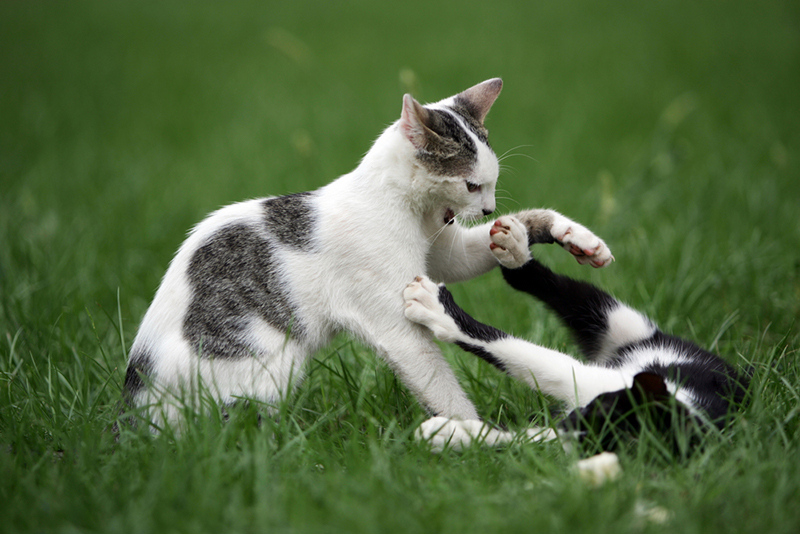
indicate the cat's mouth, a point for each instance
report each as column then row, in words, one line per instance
column 449, row 216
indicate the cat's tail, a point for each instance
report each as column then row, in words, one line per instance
column 600, row 323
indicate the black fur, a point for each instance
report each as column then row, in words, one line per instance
column 234, row 277
column 472, row 328
column 140, row 365
column 482, row 353
column 712, row 382
column 619, row 416
column 581, row 306
column 467, row 324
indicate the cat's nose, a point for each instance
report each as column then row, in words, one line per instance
column 487, row 212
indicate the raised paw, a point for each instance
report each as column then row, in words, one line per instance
column 423, row 307
column 509, row 242
column 579, row 241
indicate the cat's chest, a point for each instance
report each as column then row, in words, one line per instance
column 372, row 240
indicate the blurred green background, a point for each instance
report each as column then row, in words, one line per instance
column 668, row 127
column 124, row 123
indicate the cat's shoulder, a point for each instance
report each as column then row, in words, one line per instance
column 289, row 218
column 243, row 212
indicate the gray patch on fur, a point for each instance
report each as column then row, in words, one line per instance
column 469, row 112
column 451, row 152
column 140, row 365
column 291, row 219
column 539, row 223
column 234, row 278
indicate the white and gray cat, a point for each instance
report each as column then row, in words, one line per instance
column 632, row 362
column 259, row 286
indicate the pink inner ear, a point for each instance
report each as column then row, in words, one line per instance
column 482, row 96
column 412, row 119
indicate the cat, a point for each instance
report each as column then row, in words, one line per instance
column 631, row 362
column 259, row 286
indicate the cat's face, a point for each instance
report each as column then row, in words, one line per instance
column 451, row 148
column 470, row 195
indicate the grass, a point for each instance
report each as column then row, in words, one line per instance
column 670, row 128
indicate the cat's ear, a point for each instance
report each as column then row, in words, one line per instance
column 651, row 386
column 478, row 100
column 415, row 121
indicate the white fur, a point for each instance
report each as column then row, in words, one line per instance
column 510, row 238
column 559, row 375
column 554, row 373
column 442, row 433
column 625, row 326
column 550, row 371
column 377, row 227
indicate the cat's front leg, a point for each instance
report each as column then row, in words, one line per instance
column 548, row 226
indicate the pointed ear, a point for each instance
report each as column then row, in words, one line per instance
column 651, row 386
column 478, row 100
column 414, row 121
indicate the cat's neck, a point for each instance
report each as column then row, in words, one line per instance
column 389, row 181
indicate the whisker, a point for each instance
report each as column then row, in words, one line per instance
column 432, row 239
column 463, row 243
column 508, row 198
column 508, row 170
column 506, row 153
column 453, row 243
column 521, row 155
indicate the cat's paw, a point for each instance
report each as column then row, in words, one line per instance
column 540, row 434
column 423, row 307
column 579, row 241
column 456, row 434
column 509, row 242
column 442, row 433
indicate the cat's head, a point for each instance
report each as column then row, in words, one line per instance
column 451, row 149
column 619, row 416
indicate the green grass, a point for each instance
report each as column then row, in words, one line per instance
column 670, row 128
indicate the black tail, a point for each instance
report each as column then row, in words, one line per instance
column 581, row 306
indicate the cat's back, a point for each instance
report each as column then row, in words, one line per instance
column 244, row 243
column 287, row 220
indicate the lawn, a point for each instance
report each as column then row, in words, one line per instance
column 670, row 128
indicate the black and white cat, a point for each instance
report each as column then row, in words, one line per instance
column 632, row 362
column 259, row 286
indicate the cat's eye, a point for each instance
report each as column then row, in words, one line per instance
column 471, row 187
